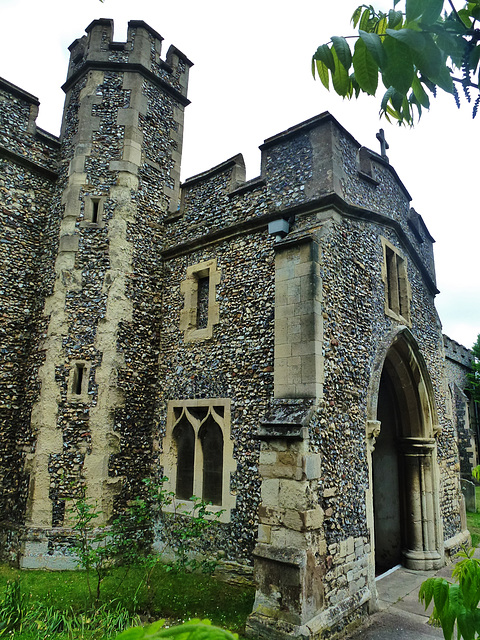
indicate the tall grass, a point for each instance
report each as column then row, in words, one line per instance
column 57, row 603
column 23, row 617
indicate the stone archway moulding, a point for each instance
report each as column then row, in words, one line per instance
column 401, row 358
column 403, row 334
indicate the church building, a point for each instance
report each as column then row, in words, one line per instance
column 270, row 345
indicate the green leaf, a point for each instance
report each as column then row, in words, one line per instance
column 355, row 86
column 341, row 81
column 414, row 9
column 452, row 45
column 364, row 20
column 398, row 72
column 440, row 594
column 475, row 11
column 410, row 38
column 373, row 42
column 407, row 111
column 391, row 112
column 322, row 72
column 431, row 11
column 420, row 93
column 340, row 45
column 429, row 60
column 134, row 633
column 324, row 54
column 356, row 15
column 444, row 80
column 382, row 26
column 397, row 100
column 365, row 67
column 464, row 16
column 475, row 58
column 425, row 593
column 447, row 621
column 395, row 19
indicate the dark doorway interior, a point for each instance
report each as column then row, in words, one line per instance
column 386, row 481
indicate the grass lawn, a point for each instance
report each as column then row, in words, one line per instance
column 473, row 520
column 175, row 596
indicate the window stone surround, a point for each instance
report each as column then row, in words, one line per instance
column 189, row 287
column 176, row 411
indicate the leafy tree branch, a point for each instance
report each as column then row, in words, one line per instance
column 412, row 52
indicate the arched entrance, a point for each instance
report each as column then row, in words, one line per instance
column 404, row 510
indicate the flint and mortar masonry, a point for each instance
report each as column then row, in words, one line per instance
column 302, row 340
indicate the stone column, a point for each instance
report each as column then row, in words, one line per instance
column 289, row 556
column 423, row 546
column 372, row 432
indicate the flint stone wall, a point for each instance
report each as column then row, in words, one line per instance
column 28, row 163
column 116, row 301
column 464, row 412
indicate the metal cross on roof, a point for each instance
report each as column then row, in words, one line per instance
column 383, row 144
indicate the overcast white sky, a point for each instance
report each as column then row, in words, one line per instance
column 251, row 79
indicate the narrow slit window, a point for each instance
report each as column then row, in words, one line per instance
column 203, row 284
column 78, row 379
column 392, row 278
column 95, row 210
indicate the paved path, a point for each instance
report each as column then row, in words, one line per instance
column 401, row 615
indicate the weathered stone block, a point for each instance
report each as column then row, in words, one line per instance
column 312, row 466
column 313, row 518
column 264, row 533
column 292, row 494
column 270, row 493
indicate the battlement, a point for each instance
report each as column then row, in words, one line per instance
column 21, row 140
column 457, row 352
column 141, row 52
column 310, row 167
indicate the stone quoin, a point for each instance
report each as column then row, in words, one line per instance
column 271, row 345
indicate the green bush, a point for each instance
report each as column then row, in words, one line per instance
column 192, row 630
column 456, row 604
column 127, row 542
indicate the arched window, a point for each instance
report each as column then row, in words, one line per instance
column 197, row 456
column 211, row 438
column 184, row 438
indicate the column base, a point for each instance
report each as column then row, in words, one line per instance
column 329, row 623
column 422, row 560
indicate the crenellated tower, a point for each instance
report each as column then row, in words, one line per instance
column 118, row 180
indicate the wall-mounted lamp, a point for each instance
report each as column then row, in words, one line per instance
column 278, row 228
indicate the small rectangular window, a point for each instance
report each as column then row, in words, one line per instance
column 397, row 290
column 78, row 382
column 201, row 310
column 93, row 211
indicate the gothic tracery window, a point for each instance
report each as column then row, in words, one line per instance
column 198, row 451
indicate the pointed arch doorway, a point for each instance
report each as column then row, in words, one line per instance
column 404, row 510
